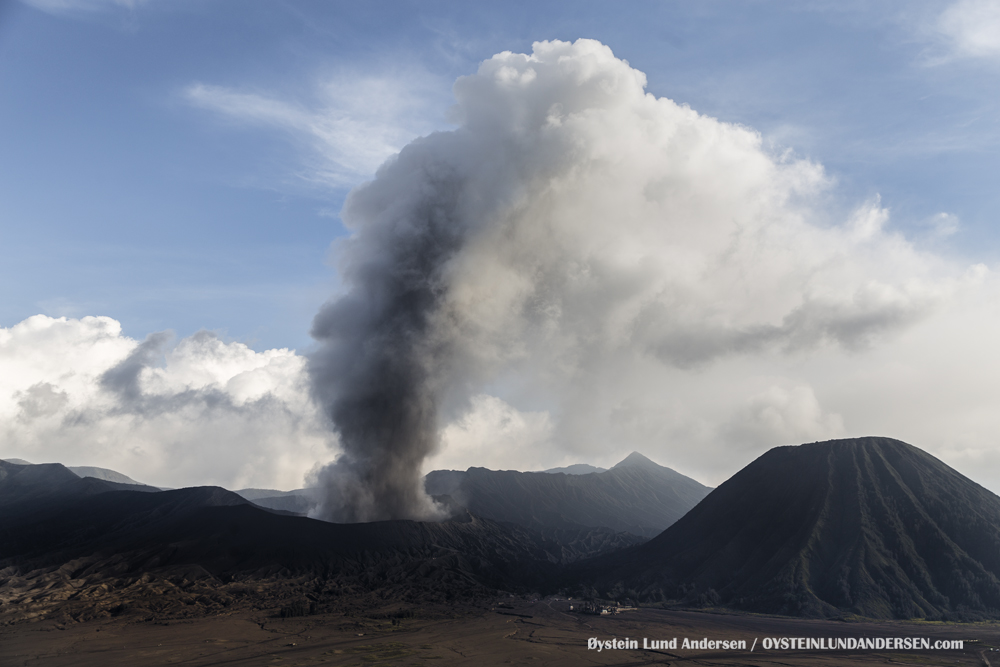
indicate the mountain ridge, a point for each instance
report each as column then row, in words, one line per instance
column 867, row 526
column 76, row 554
column 641, row 497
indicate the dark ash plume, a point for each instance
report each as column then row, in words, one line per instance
column 379, row 367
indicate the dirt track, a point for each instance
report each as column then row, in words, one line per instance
column 541, row 633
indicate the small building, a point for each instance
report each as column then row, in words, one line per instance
column 600, row 609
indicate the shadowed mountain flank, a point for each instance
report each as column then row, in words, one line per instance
column 636, row 496
column 27, row 487
column 80, row 547
column 870, row 526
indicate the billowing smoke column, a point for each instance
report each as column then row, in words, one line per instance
column 381, row 365
column 390, row 347
column 387, row 355
column 572, row 224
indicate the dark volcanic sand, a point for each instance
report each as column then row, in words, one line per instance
column 467, row 636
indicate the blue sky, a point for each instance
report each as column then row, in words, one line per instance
column 182, row 165
column 128, row 189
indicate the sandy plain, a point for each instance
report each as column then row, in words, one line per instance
column 540, row 632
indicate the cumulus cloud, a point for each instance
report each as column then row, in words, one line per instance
column 195, row 411
column 594, row 253
column 780, row 414
column 578, row 270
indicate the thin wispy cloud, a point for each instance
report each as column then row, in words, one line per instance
column 71, row 6
column 972, row 28
column 350, row 125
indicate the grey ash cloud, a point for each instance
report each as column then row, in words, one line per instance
column 569, row 231
column 384, row 357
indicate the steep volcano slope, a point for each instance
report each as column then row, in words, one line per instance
column 871, row 526
column 636, row 496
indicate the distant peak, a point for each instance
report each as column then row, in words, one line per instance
column 636, row 460
column 103, row 473
column 17, row 462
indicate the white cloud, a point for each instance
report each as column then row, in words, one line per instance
column 651, row 278
column 202, row 411
column 493, row 434
column 782, row 416
column 630, row 275
column 353, row 122
column 972, row 28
